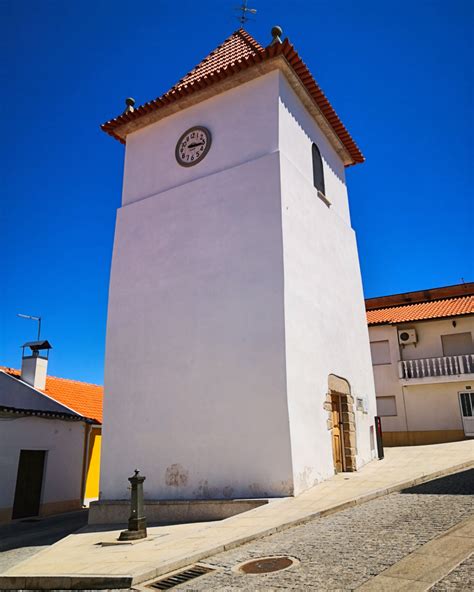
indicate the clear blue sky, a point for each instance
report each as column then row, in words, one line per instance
column 398, row 74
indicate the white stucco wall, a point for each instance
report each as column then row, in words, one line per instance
column 297, row 132
column 234, row 293
column 429, row 344
column 64, row 443
column 387, row 383
column 34, row 370
column 435, row 406
column 244, row 126
column 195, row 367
column 326, row 329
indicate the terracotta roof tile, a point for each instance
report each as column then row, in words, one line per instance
column 448, row 307
column 241, row 51
column 237, row 47
column 82, row 397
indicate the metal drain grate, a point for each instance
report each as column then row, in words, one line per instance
column 180, row 577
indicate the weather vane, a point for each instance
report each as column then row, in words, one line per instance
column 243, row 18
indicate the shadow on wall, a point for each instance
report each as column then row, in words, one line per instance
column 304, row 121
column 457, row 484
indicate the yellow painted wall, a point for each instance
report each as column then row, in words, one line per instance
column 93, row 464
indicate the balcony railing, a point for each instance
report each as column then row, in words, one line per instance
column 432, row 367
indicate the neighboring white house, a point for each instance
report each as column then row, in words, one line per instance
column 49, row 440
column 423, row 361
column 237, row 357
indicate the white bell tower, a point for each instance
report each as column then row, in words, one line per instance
column 236, row 312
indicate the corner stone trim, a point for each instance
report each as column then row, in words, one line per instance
column 339, row 386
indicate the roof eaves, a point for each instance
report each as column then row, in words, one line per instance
column 321, row 101
column 419, row 296
column 47, row 414
column 42, row 393
column 300, row 69
column 434, row 317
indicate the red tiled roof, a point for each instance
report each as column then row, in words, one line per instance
column 239, row 52
column 82, row 397
column 436, row 309
column 237, row 47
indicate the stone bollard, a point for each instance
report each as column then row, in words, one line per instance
column 137, row 521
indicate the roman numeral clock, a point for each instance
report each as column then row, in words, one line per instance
column 193, row 146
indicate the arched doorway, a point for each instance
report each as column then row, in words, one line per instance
column 341, row 421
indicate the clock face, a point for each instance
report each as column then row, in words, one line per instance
column 193, row 146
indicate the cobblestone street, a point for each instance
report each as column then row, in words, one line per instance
column 343, row 551
column 461, row 578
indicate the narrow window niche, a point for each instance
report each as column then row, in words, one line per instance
column 318, row 175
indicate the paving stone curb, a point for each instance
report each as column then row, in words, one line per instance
column 179, row 564
column 65, row 582
column 420, row 570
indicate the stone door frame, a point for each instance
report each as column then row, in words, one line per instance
column 340, row 387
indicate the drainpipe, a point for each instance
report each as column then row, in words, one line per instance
column 405, row 408
column 400, row 356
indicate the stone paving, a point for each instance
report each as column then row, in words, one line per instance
column 342, row 551
column 460, row 579
column 24, row 538
column 80, row 560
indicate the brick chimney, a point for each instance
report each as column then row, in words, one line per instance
column 34, row 364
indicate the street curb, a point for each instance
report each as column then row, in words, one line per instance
column 419, row 576
column 179, row 564
column 100, row 582
column 65, row 582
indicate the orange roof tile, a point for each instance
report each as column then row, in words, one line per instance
column 239, row 52
column 435, row 309
column 82, row 397
column 238, row 46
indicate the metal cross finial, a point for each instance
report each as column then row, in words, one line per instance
column 243, row 18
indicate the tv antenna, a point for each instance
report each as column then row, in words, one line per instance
column 243, row 18
column 31, row 318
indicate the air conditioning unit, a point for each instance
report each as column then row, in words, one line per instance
column 406, row 336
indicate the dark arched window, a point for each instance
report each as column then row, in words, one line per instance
column 318, row 175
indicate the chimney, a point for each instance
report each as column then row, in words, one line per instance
column 34, row 364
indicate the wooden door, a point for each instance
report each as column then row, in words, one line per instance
column 337, row 433
column 29, row 482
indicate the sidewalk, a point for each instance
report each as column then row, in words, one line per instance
column 80, row 561
column 426, row 566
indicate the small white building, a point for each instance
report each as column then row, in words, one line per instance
column 49, row 440
column 423, row 362
column 237, row 357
